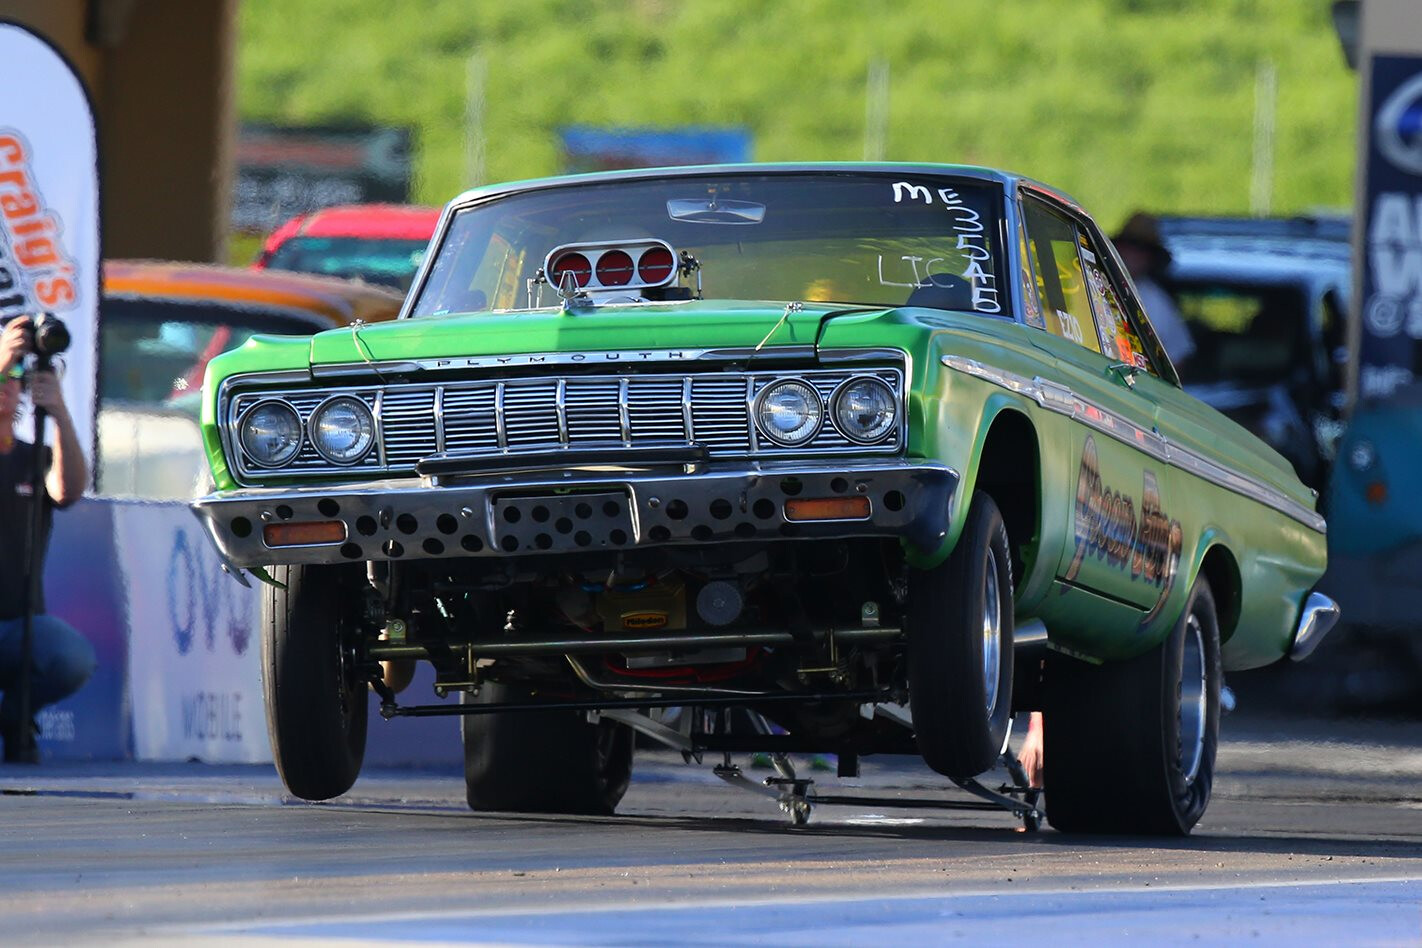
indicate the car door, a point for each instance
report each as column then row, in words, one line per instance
column 1118, row 542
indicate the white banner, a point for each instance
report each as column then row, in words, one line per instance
column 49, row 208
column 194, row 642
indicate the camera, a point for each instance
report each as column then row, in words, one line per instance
column 48, row 335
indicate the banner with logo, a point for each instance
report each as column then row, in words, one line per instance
column 1390, row 350
column 194, row 645
column 49, row 208
column 283, row 171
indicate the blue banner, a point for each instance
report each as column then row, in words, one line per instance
column 1390, row 349
column 606, row 149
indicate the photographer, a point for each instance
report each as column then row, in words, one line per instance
column 61, row 659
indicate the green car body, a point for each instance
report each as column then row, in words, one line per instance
column 1117, row 489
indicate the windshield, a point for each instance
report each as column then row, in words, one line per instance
column 385, row 261
column 846, row 238
column 1246, row 333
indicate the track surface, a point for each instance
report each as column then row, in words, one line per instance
column 1314, row 836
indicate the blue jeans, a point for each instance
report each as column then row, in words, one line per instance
column 61, row 659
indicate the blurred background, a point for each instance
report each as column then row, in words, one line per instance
column 287, row 159
column 1219, row 106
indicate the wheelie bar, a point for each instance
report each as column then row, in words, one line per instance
column 797, row 796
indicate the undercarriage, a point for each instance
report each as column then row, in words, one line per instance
column 773, row 648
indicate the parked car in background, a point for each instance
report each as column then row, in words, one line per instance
column 377, row 243
column 826, row 443
column 159, row 326
column 1266, row 302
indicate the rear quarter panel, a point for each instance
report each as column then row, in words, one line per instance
column 1278, row 557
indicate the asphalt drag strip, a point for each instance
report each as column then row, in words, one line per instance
column 1314, row 835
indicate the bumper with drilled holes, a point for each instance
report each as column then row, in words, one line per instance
column 578, row 512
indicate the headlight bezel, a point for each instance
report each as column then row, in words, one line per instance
column 814, row 399
column 842, row 389
column 252, row 456
column 313, row 426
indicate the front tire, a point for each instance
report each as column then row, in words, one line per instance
column 316, row 700
column 1130, row 746
column 959, row 622
column 542, row 761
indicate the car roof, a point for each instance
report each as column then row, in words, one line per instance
column 334, row 301
column 1006, row 179
column 369, row 221
column 1259, row 261
column 1325, row 225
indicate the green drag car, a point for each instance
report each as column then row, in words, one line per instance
column 840, row 458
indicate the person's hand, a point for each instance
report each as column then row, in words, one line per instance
column 14, row 343
column 45, row 392
column 1030, row 757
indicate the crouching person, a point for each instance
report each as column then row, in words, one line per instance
column 61, row 659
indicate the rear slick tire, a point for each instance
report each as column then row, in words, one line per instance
column 542, row 761
column 1129, row 747
column 959, row 622
column 317, row 708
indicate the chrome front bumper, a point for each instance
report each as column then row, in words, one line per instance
column 579, row 512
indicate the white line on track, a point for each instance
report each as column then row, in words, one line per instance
column 1368, row 909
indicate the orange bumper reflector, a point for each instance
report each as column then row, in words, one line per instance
column 828, row 508
column 1376, row 492
column 304, row 534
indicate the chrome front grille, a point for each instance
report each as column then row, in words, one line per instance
column 489, row 417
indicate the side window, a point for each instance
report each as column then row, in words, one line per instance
column 1119, row 339
column 1031, row 306
column 1061, row 281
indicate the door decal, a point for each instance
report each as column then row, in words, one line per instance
column 1107, row 527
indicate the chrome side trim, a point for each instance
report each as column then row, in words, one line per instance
column 1061, row 399
column 1316, row 620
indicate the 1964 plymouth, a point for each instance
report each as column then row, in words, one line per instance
column 841, row 458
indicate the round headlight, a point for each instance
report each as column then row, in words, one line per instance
column 342, row 429
column 789, row 412
column 864, row 409
column 270, row 432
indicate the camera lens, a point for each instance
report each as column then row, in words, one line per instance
column 51, row 336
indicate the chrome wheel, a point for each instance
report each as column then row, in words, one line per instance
column 1193, row 697
column 992, row 633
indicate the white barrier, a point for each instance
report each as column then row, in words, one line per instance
column 194, row 642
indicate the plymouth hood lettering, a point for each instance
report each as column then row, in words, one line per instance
column 659, row 329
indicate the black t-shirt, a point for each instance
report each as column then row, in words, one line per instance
column 16, row 508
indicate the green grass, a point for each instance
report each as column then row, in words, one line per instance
column 1123, row 103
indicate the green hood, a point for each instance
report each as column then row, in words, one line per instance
column 694, row 325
